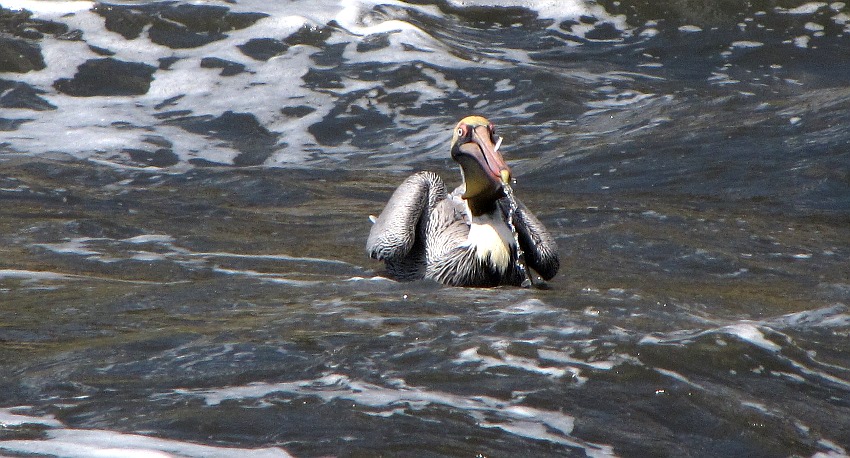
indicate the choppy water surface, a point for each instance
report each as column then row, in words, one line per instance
column 184, row 201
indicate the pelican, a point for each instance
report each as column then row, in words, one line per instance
column 463, row 238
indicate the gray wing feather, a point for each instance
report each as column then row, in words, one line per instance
column 396, row 229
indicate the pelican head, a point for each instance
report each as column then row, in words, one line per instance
column 483, row 168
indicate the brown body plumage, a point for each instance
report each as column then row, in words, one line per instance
column 462, row 238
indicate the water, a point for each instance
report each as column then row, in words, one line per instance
column 184, row 201
column 520, row 254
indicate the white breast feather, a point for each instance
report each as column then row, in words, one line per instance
column 491, row 239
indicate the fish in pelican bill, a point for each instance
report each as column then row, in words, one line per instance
column 463, row 238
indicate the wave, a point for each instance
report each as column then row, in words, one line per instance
column 56, row 439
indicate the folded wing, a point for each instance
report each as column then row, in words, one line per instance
column 401, row 223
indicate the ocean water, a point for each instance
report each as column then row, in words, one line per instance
column 184, row 199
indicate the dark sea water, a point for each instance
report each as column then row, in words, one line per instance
column 184, row 199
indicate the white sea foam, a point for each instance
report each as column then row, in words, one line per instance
column 9, row 417
column 272, row 278
column 619, row 100
column 150, row 238
column 813, row 27
column 679, row 377
column 90, row 443
column 386, row 401
column 745, row 330
column 752, row 334
column 147, row 256
column 565, row 358
column 98, row 249
column 84, row 126
column 50, row 7
column 30, row 275
column 78, row 246
column 807, row 8
column 528, row 307
column 747, row 44
column 835, row 450
column 834, row 316
column 802, row 41
column 546, row 9
column 472, row 355
column 690, row 29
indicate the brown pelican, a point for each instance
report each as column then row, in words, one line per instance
column 464, row 238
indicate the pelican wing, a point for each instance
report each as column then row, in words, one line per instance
column 541, row 251
column 396, row 229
